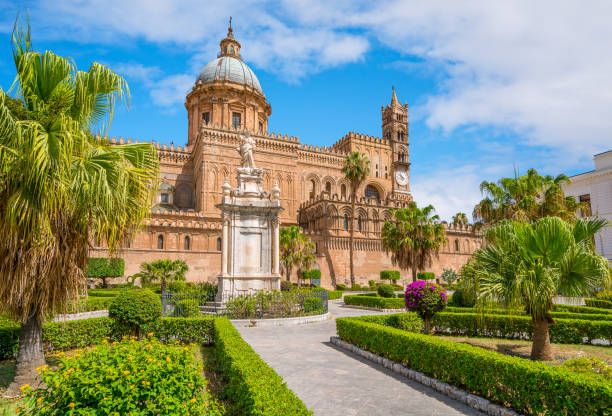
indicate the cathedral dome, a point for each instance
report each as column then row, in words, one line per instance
column 229, row 68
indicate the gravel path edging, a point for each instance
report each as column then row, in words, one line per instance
column 476, row 402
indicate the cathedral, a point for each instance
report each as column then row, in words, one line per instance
column 227, row 102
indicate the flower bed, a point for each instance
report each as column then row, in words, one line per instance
column 375, row 302
column 531, row 388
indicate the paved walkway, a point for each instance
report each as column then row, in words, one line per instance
column 332, row 381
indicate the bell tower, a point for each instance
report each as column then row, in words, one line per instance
column 395, row 130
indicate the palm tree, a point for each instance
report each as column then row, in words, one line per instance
column 296, row 250
column 526, row 264
column 60, row 187
column 162, row 271
column 356, row 169
column 460, row 218
column 414, row 238
column 525, row 198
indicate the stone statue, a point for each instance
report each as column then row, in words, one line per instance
column 246, row 152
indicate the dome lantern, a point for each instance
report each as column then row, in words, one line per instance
column 229, row 45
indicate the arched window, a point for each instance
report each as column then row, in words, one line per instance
column 232, row 49
column 219, row 244
column 346, row 221
column 359, row 224
column 343, row 191
column 456, row 245
column 371, row 192
column 328, row 187
column 160, row 242
column 187, row 243
column 313, row 187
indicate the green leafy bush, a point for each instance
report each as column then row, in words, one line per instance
column 385, row 291
column 462, row 298
column 89, row 304
column 177, row 287
column 389, row 275
column 555, row 315
column 372, row 284
column 563, row 331
column 341, row 287
column 254, row 387
column 131, row 377
column 531, row 388
column 426, row 275
column 103, row 293
column 186, row 308
column 9, row 340
column 334, row 294
column 105, row 267
column 397, row 287
column 374, row 302
column 605, row 295
column 598, row 303
column 355, row 286
column 580, row 309
column 313, row 306
column 135, row 308
column 426, row 299
column 449, row 276
column 274, row 304
column 311, row 274
column 591, row 366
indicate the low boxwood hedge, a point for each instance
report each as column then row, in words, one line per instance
column 555, row 315
column 532, row 388
column 104, row 293
column 254, row 387
column 334, row 294
column 563, row 331
column 598, row 303
column 375, row 302
column 580, row 309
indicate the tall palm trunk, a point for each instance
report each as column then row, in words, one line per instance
column 30, row 355
column 541, row 349
column 352, row 237
column 413, row 269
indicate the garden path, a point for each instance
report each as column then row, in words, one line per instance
column 332, row 381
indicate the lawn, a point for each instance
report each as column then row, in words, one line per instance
column 520, row 348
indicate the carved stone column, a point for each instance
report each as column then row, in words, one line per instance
column 224, row 245
column 275, row 246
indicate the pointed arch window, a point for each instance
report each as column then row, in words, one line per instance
column 187, row 243
column 160, row 242
column 456, row 245
column 219, row 244
column 359, row 224
column 346, row 221
column 328, row 187
column 343, row 191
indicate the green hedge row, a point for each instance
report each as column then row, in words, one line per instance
column 598, row 303
column 334, row 294
column 311, row 274
column 90, row 304
column 389, row 275
column 375, row 302
column 564, row 331
column 61, row 336
column 103, row 293
column 555, row 315
column 531, row 388
column 254, row 387
column 580, row 309
column 105, row 267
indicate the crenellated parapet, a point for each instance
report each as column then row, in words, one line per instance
column 344, row 143
column 168, row 153
column 183, row 219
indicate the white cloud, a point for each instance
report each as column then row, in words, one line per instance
column 171, row 90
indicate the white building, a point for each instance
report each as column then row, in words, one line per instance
column 595, row 187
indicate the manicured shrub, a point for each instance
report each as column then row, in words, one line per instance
column 426, row 276
column 385, row 291
column 104, row 293
column 142, row 377
column 374, row 302
column 605, row 295
column 563, row 331
column 104, row 267
column 531, row 388
column 334, row 294
column 426, row 299
column 311, row 274
column 198, row 330
column 590, row 366
column 372, row 284
column 254, row 387
column 598, row 303
column 135, row 308
column 186, row 308
column 177, row 287
column 555, row 315
column 313, row 305
column 580, row 309
column 355, row 286
column 462, row 299
column 389, row 275
column 153, row 287
column 89, row 304
column 397, row 287
column 340, row 286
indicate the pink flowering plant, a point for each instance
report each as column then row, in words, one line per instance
column 426, row 299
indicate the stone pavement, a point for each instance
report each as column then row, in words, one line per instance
column 332, row 381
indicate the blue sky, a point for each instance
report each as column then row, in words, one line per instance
column 491, row 86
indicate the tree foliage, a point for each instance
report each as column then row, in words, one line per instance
column 162, row 271
column 526, row 264
column 460, row 218
column 414, row 238
column 296, row 250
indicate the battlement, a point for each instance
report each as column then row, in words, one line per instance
column 352, row 136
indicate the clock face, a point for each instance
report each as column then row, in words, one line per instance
column 401, row 177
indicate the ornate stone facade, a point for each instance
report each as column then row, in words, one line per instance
column 227, row 102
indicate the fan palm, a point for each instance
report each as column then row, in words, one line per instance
column 163, row 271
column 460, row 218
column 414, row 238
column 356, row 169
column 296, row 250
column 526, row 264
column 60, row 186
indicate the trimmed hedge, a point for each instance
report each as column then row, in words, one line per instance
column 426, row 275
column 598, row 303
column 105, row 267
column 375, row 302
column 90, row 304
column 532, row 388
column 334, row 294
column 254, row 387
column 516, row 312
column 389, row 275
column 104, row 293
column 580, row 309
column 563, row 331
column 385, row 291
column 311, row 274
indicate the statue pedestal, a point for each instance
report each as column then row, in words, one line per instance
column 250, row 240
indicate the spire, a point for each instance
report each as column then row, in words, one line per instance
column 393, row 97
column 229, row 45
